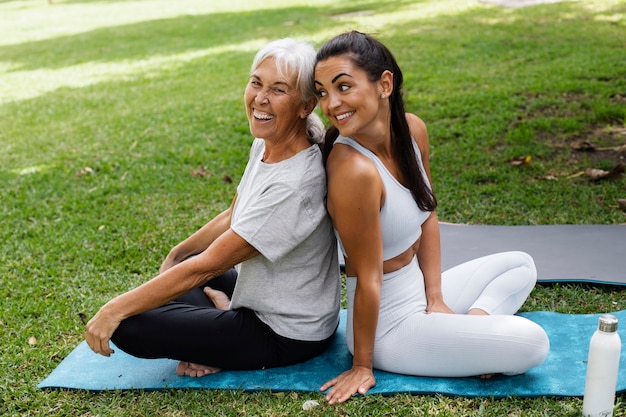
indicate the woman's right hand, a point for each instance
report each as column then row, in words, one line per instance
column 100, row 329
column 357, row 380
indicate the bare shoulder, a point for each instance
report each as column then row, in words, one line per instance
column 354, row 185
column 355, row 192
column 349, row 165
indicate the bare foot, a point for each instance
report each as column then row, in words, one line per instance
column 195, row 370
column 218, row 298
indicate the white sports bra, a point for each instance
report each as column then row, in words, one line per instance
column 400, row 217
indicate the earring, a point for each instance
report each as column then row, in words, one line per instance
column 383, row 95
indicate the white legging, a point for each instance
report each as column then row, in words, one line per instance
column 409, row 341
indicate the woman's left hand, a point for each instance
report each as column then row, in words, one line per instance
column 99, row 331
column 438, row 307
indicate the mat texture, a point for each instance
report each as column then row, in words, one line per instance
column 583, row 252
column 562, row 375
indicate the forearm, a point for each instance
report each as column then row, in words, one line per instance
column 429, row 256
column 163, row 288
column 365, row 320
column 360, row 378
column 226, row 251
column 201, row 239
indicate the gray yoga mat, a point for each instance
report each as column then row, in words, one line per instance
column 575, row 253
column 594, row 253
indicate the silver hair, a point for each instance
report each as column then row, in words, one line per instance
column 292, row 56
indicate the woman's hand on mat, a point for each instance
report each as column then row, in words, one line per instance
column 357, row 380
column 99, row 331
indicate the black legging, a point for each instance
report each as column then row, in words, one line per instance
column 192, row 329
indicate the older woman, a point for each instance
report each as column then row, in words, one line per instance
column 284, row 294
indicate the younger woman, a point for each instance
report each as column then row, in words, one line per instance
column 404, row 315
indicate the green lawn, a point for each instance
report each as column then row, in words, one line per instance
column 122, row 130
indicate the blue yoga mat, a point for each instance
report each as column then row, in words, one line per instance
column 562, row 374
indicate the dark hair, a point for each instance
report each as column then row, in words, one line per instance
column 375, row 58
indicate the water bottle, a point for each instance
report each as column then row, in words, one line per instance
column 604, row 354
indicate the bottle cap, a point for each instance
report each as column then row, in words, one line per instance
column 607, row 323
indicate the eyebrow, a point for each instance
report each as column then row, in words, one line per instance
column 339, row 76
column 335, row 78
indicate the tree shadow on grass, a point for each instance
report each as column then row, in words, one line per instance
column 160, row 37
column 164, row 37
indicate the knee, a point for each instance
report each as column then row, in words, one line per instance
column 536, row 338
column 526, row 262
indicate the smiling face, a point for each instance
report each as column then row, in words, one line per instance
column 350, row 101
column 273, row 104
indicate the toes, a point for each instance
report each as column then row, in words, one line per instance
column 181, row 369
column 194, row 370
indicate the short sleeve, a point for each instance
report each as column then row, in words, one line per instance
column 277, row 221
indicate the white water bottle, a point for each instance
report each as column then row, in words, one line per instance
column 604, row 354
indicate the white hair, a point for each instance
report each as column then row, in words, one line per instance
column 296, row 57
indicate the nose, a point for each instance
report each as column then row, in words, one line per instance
column 262, row 96
column 334, row 101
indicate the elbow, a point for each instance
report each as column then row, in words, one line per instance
column 371, row 286
column 200, row 273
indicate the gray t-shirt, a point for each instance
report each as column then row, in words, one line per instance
column 293, row 285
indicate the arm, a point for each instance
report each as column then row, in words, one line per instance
column 225, row 251
column 354, row 201
column 429, row 257
column 200, row 240
column 429, row 250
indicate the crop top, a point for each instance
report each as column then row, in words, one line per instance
column 401, row 218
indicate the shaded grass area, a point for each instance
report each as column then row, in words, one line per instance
column 118, row 142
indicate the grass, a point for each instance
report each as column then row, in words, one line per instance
column 122, row 131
